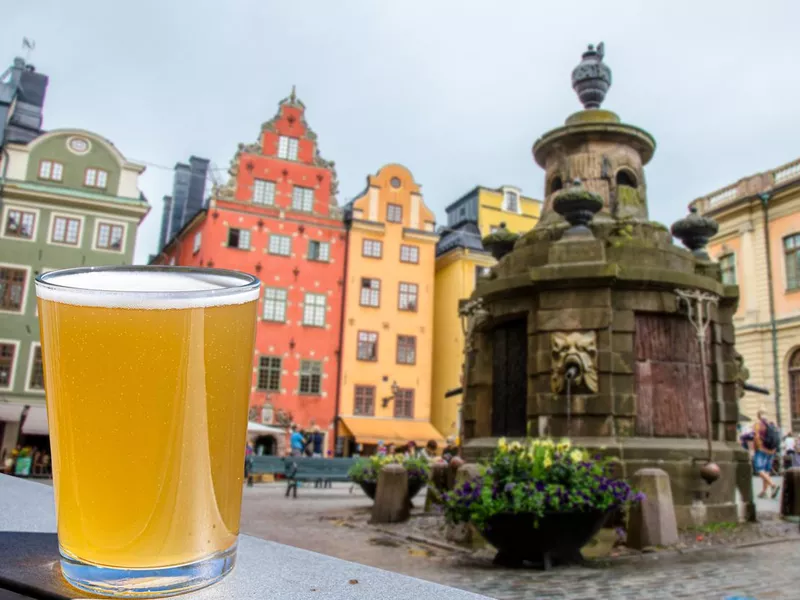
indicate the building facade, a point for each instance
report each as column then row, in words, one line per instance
column 387, row 333
column 490, row 207
column 188, row 197
column 22, row 93
column 758, row 248
column 69, row 198
column 277, row 218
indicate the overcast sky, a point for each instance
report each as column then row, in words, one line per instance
column 455, row 90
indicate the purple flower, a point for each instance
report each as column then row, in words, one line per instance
column 510, row 486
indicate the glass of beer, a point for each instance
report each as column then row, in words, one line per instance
column 147, row 372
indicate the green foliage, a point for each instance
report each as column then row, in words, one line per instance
column 537, row 477
column 366, row 469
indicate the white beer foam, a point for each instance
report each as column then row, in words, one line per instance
column 145, row 289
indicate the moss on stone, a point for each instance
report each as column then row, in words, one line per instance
column 628, row 196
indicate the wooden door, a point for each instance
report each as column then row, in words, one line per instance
column 510, row 379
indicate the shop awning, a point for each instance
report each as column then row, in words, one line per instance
column 367, row 430
column 259, row 429
column 11, row 411
column 35, row 422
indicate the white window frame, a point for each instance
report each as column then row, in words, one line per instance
column 302, row 199
column 13, row 373
column 66, row 215
column 92, row 177
column 264, row 192
column 734, row 264
column 515, row 192
column 279, row 242
column 284, row 302
column 324, row 254
column 51, row 168
column 410, row 251
column 29, row 370
column 315, row 306
column 23, row 305
column 37, row 216
column 238, row 245
column 198, row 242
column 97, row 223
column 372, row 293
column 371, row 243
column 288, row 147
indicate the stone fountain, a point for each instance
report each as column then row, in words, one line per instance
column 586, row 326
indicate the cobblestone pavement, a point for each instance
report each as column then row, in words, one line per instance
column 314, row 522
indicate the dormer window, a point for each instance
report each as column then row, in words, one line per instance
column 511, row 201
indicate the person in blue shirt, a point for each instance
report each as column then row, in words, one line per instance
column 297, row 442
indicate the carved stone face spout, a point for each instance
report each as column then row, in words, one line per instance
column 574, row 356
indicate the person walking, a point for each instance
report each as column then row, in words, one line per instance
column 317, row 439
column 297, row 442
column 766, row 441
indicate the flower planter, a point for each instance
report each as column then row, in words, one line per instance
column 558, row 539
column 370, row 487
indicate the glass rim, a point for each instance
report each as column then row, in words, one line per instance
column 248, row 283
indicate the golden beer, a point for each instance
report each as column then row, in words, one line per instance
column 147, row 374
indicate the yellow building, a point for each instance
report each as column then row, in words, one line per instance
column 758, row 249
column 489, row 207
column 460, row 260
column 387, row 335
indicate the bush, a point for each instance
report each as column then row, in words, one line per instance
column 366, row 469
column 537, row 477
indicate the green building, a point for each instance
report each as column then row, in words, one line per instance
column 68, row 198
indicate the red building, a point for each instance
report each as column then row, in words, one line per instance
column 277, row 218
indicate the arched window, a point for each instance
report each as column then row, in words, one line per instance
column 794, row 384
column 555, row 184
column 625, row 177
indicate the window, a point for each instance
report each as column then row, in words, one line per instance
column 12, row 288
column 19, row 224
column 310, row 377
column 365, row 400
column 287, row 147
column 66, row 230
column 7, row 354
column 53, row 171
column 625, row 177
column 406, row 350
column 372, row 248
column 280, row 245
column 407, row 298
column 275, row 304
column 97, row 178
column 409, row 254
column 264, row 192
column 269, row 374
column 370, row 292
column 727, row 267
column 511, row 202
column 791, row 248
column 394, row 213
column 314, row 310
column 794, row 384
column 320, row 251
column 367, row 346
column 109, row 237
column 404, row 404
column 239, row 238
column 198, row 240
column 302, row 199
column 462, row 212
column 36, row 382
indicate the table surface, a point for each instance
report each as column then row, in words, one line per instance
column 29, row 565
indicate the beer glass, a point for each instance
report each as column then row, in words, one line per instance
column 147, row 373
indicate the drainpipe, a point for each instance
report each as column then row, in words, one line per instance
column 347, row 224
column 773, row 326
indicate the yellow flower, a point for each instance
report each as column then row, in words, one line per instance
column 547, row 462
column 502, row 445
column 577, row 456
column 515, row 447
column 564, row 445
column 548, row 443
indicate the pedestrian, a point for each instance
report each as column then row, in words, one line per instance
column 248, row 463
column 451, row 449
column 766, row 441
column 429, row 451
column 296, row 441
column 411, row 450
column 317, row 438
column 790, row 456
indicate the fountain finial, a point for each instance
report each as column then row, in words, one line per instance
column 592, row 77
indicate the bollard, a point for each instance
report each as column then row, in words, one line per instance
column 652, row 521
column 790, row 498
column 391, row 496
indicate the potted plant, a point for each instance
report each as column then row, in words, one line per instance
column 539, row 501
column 365, row 472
